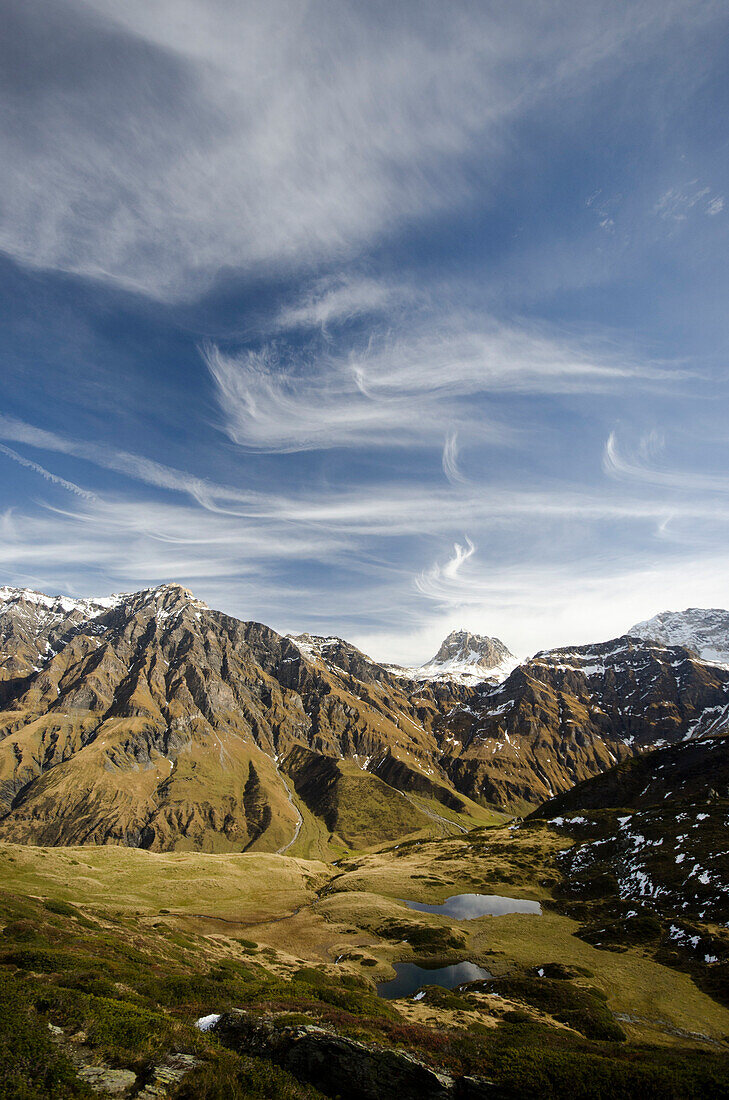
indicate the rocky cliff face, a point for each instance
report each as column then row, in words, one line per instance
column 150, row 720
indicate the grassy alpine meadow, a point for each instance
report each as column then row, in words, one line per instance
column 109, row 955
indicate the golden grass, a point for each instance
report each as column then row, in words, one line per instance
column 231, row 887
column 273, row 900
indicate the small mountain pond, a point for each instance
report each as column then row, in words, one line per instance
column 470, row 906
column 410, row 977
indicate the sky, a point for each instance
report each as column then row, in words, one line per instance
column 376, row 320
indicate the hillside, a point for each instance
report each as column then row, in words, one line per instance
column 693, row 772
column 649, row 862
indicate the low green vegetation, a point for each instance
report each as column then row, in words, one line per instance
column 227, row 1076
column 584, row 1010
column 428, row 939
column 124, row 984
column 31, row 1067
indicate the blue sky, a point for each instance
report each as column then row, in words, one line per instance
column 368, row 319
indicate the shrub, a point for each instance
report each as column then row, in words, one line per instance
column 39, row 959
column 236, row 1077
column 61, row 908
column 582, row 1009
column 31, row 1068
column 123, row 1030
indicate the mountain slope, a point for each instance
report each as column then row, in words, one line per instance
column 149, row 720
column 705, row 631
column 160, row 723
column 692, row 771
column 33, row 626
column 570, row 713
column 649, row 862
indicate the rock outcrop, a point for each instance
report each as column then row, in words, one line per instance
column 340, row 1066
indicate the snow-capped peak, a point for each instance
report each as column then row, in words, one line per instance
column 57, row 606
column 705, row 630
column 44, row 610
column 467, row 659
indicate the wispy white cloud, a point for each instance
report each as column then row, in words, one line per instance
column 163, row 146
column 605, row 208
column 677, row 203
column 451, row 468
column 47, row 474
column 158, row 144
column 533, row 587
column 337, row 300
column 135, row 466
column 440, row 578
column 395, row 509
column 642, row 468
column 407, row 383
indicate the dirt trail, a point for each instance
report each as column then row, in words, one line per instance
column 434, row 816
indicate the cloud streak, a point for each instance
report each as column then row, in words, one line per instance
column 639, row 469
column 242, row 558
column 451, row 468
column 393, row 510
column 377, row 217
column 405, row 385
column 335, row 301
column 38, row 469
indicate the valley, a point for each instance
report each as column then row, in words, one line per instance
column 166, row 938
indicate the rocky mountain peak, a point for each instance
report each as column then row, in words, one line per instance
column 163, row 599
column 465, row 658
column 703, row 630
column 472, row 649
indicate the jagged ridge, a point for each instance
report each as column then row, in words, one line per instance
column 149, row 719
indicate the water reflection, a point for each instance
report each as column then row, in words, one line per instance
column 410, row 977
column 469, row 906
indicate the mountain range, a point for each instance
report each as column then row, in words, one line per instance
column 149, row 720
